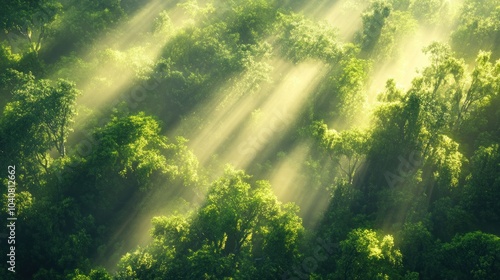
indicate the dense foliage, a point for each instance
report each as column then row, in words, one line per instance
column 156, row 139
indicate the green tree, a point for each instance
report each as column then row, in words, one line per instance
column 7, row 60
column 366, row 255
column 241, row 231
column 471, row 256
column 30, row 19
column 413, row 122
column 391, row 93
column 38, row 118
column 449, row 218
column 86, row 20
column 442, row 67
column 446, row 162
column 373, row 22
column 94, row 274
column 485, row 81
column 401, row 5
column 417, row 247
column 398, row 28
column 130, row 146
column 300, row 38
column 482, row 190
column 131, row 155
column 58, row 222
column 341, row 95
column 251, row 20
column 347, row 148
column 49, row 108
column 478, row 29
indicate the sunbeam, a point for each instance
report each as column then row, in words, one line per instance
column 290, row 184
column 262, row 139
column 245, row 125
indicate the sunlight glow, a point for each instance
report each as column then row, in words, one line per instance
column 291, row 185
column 344, row 17
column 241, row 127
column 132, row 44
column 403, row 69
column 244, row 127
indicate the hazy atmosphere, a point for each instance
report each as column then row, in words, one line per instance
column 257, row 139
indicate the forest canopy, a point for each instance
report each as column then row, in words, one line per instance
column 256, row 139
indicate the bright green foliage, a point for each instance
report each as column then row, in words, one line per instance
column 444, row 68
column 341, row 97
column 454, row 93
column 240, row 231
column 131, row 152
column 437, row 102
column 138, row 265
column 29, row 19
column 485, row 82
column 391, row 93
column 182, row 163
column 195, row 10
column 194, row 62
column 398, row 27
column 425, row 171
column 401, row 5
column 301, row 38
column 480, row 128
column 24, row 201
column 211, row 48
column 44, row 111
column 131, row 145
column 398, row 132
column 349, row 88
column 448, row 93
column 373, row 23
column 479, row 29
column 38, row 119
column 7, row 59
column 366, row 255
column 162, row 25
column 129, row 155
column 448, row 161
column 347, row 148
column 95, row 274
